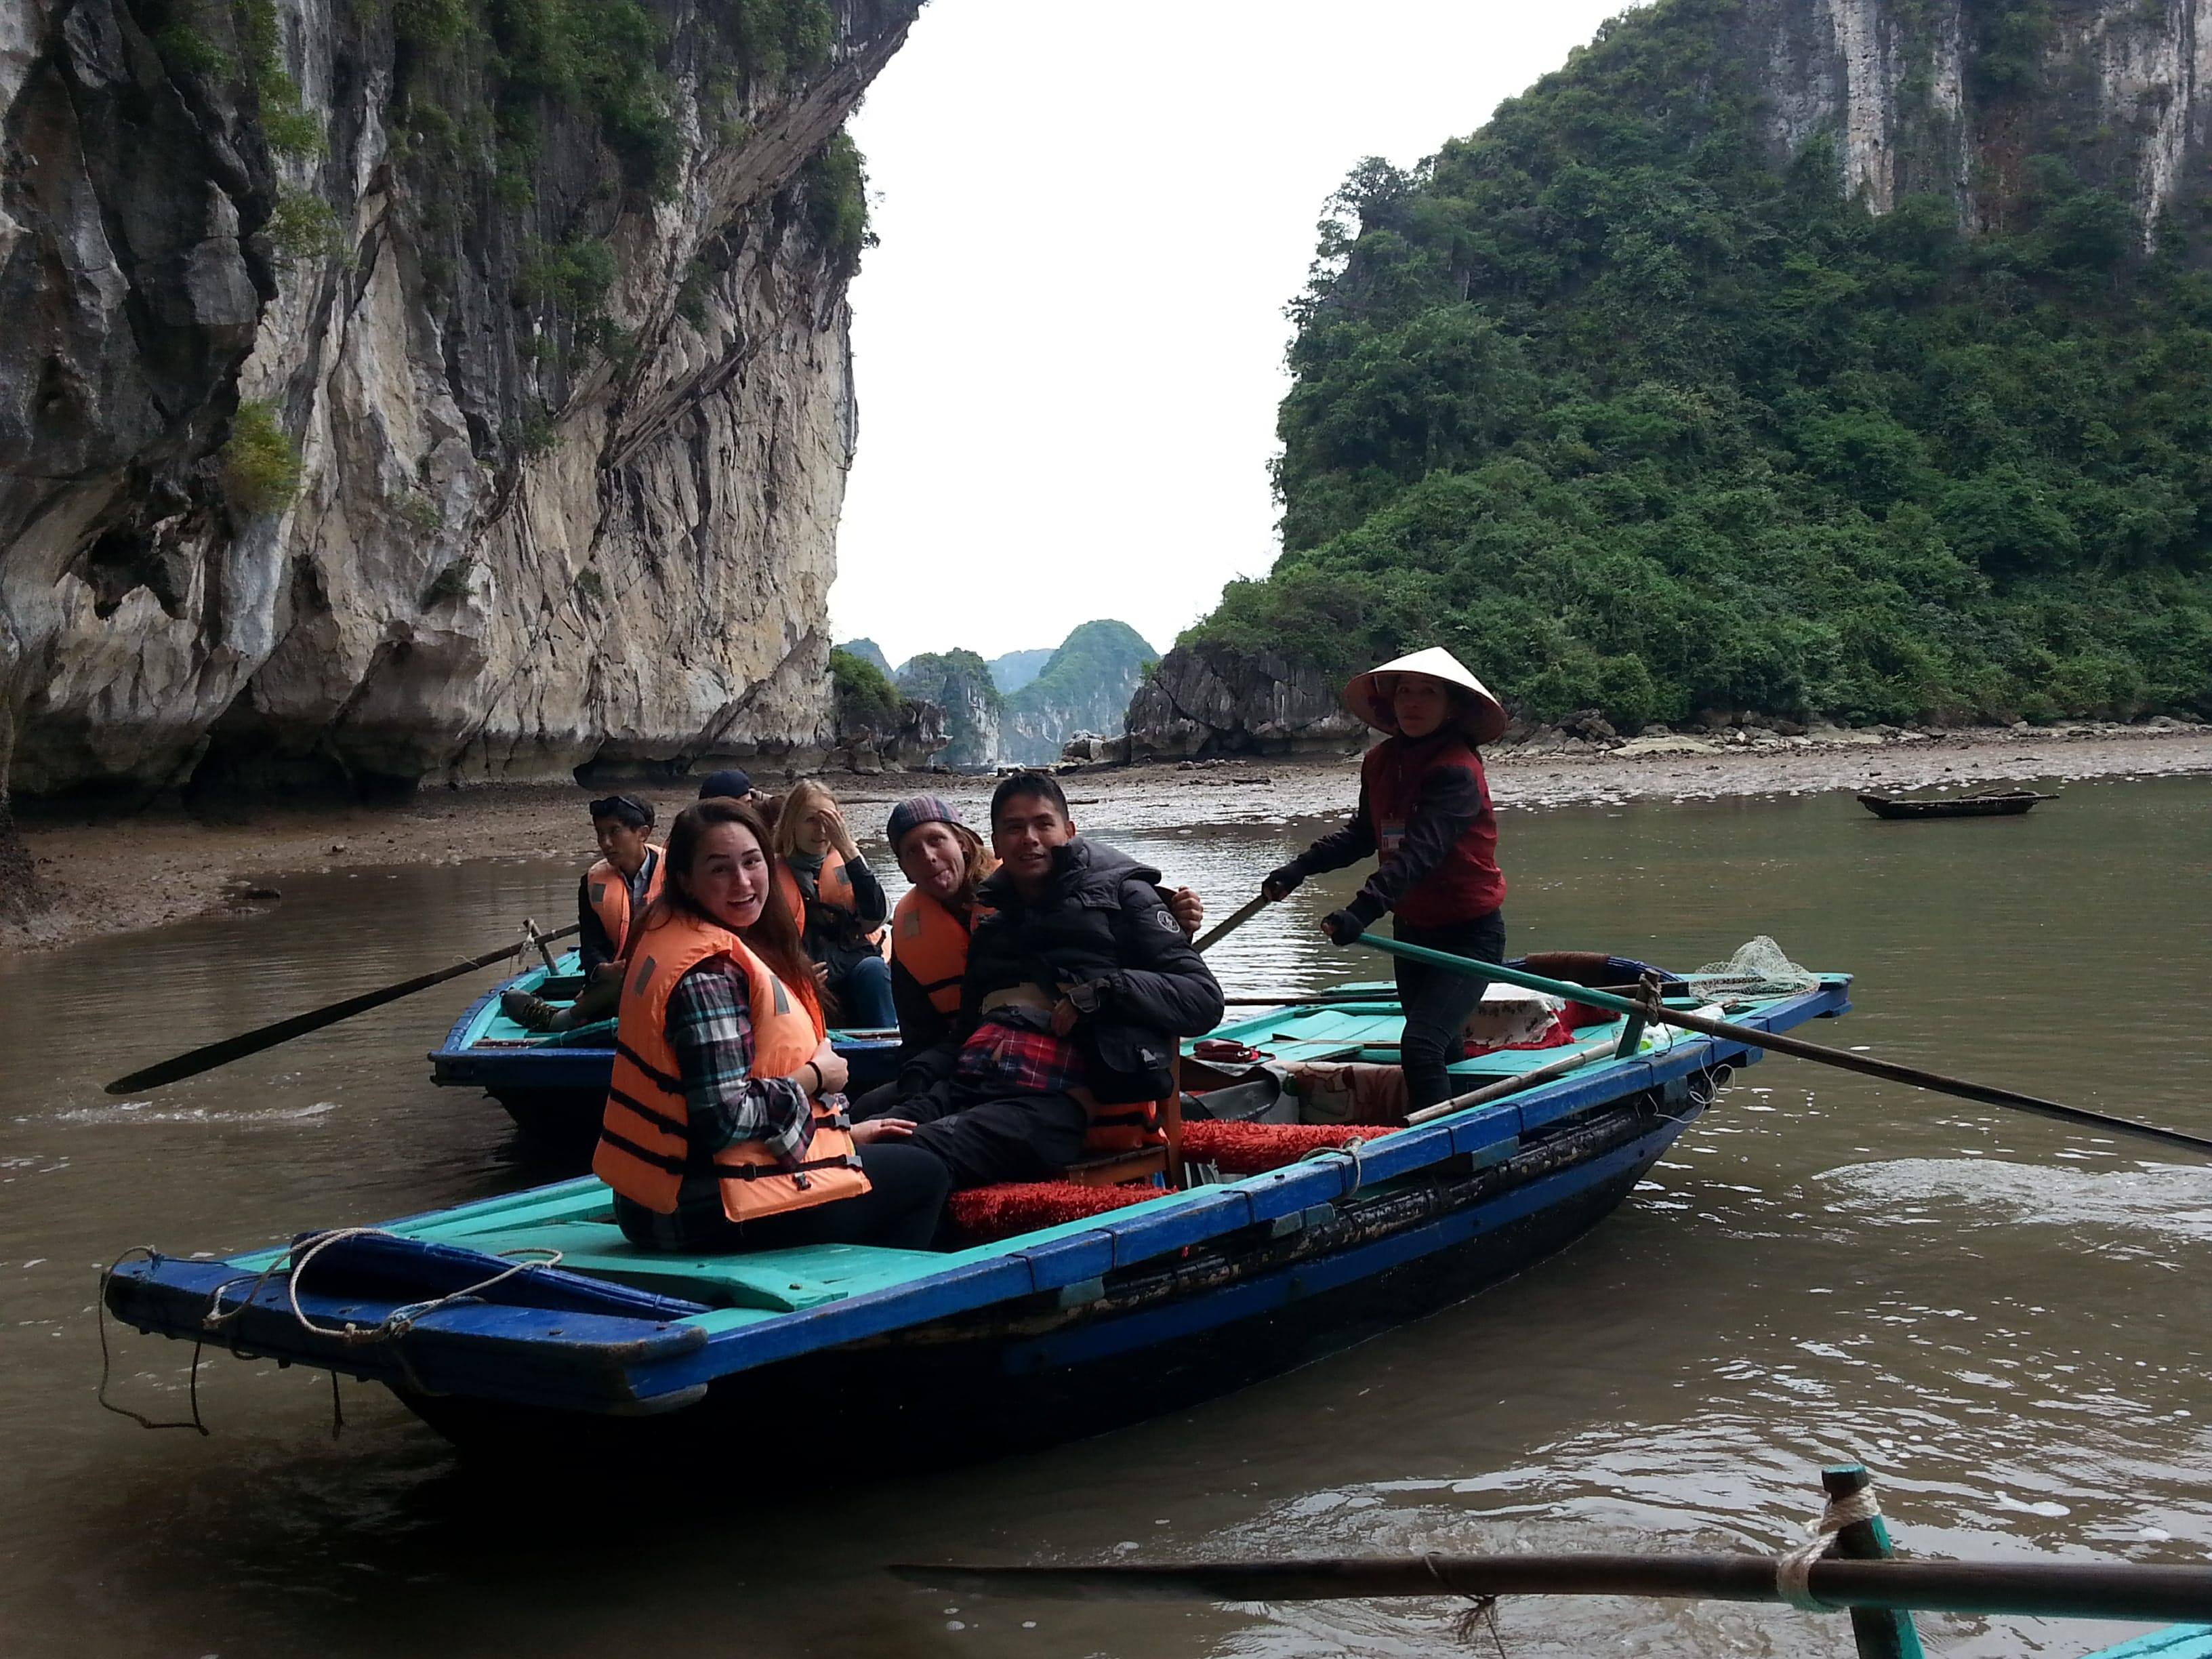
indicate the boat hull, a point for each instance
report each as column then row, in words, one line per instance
column 1030, row 1378
column 1969, row 806
column 1061, row 1330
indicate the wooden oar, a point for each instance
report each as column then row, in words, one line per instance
column 211, row 1055
column 1235, row 918
column 2035, row 1589
column 1573, row 1060
column 1318, row 1000
column 1775, row 1041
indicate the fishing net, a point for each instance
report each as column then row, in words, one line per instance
column 1758, row 968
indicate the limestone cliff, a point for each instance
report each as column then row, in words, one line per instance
column 1210, row 699
column 1948, row 97
column 958, row 683
column 421, row 389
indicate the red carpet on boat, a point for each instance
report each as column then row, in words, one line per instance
column 983, row 1213
column 1249, row 1148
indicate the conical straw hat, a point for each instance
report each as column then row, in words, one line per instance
column 1368, row 696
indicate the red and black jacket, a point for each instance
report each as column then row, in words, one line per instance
column 1424, row 809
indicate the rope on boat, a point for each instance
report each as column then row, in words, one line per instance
column 1481, row 1612
column 396, row 1323
column 100, row 1320
column 1349, row 1150
column 1793, row 1569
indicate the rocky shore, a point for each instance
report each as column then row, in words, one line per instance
column 117, row 875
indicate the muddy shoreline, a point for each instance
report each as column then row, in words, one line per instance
column 116, row 875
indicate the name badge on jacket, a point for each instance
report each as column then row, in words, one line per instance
column 1388, row 833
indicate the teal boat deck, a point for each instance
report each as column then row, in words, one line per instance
column 2179, row 1641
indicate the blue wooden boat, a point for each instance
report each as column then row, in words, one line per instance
column 554, row 1087
column 1002, row 1342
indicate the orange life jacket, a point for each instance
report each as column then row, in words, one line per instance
column 930, row 943
column 833, row 887
column 645, row 1142
column 608, row 890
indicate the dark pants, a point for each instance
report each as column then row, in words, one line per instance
column 600, row 999
column 981, row 1139
column 864, row 995
column 905, row 1197
column 1438, row 1001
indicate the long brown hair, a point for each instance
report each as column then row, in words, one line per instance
column 774, row 937
column 981, row 860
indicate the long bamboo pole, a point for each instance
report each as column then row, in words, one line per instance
column 1777, row 1043
column 2061, row 1589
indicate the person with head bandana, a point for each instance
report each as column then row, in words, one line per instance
column 612, row 896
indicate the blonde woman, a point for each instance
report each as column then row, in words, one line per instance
column 826, row 882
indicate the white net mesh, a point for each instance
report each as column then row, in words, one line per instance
column 1757, row 967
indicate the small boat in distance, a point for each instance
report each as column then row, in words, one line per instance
column 554, row 1084
column 1992, row 804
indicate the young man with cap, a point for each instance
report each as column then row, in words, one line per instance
column 611, row 900
column 1079, row 981
column 1425, row 810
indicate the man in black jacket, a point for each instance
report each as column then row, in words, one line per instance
column 1079, row 982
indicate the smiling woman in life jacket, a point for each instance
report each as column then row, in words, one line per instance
column 1424, row 809
column 612, row 896
column 724, row 1126
column 827, row 883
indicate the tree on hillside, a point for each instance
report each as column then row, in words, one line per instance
column 1632, row 410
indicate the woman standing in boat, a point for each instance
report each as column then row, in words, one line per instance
column 1424, row 809
column 726, row 1125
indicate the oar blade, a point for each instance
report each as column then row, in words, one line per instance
column 1231, row 922
column 210, row 1056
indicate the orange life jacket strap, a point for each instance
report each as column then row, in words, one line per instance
column 673, row 1086
column 768, row 1171
column 623, row 1143
column 675, row 1126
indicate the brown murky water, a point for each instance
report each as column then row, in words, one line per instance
column 2009, row 1320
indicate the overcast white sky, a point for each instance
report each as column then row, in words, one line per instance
column 1069, row 346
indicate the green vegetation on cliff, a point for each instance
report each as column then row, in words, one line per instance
column 959, row 683
column 1084, row 686
column 862, row 696
column 1633, row 412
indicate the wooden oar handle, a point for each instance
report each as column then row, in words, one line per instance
column 1645, row 1007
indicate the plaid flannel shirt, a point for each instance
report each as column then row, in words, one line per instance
column 1006, row 1060
column 711, row 1029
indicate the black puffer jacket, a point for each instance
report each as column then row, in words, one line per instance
column 1102, row 923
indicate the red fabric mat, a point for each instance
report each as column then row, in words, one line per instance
column 1249, row 1148
column 982, row 1213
